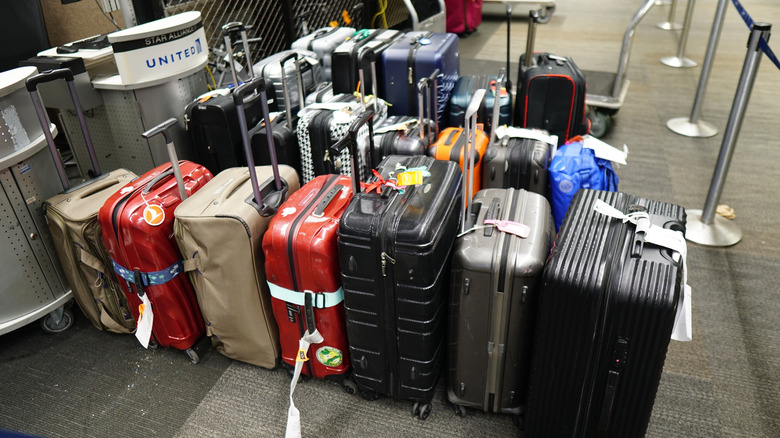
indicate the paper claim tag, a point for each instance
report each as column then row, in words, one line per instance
column 410, row 178
column 145, row 318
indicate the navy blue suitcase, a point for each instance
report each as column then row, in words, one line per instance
column 461, row 96
column 416, row 56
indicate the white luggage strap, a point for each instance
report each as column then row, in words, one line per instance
column 320, row 300
column 665, row 238
column 533, row 134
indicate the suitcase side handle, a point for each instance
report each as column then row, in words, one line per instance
column 163, row 128
column 501, row 79
column 350, row 140
column 32, row 87
column 470, row 131
column 274, row 198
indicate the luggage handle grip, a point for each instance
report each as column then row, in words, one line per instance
column 32, row 87
column 95, row 188
column 497, row 104
column 156, row 180
column 470, row 131
column 270, row 205
column 350, row 140
column 164, row 129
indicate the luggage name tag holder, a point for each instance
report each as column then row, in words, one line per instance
column 517, row 228
column 665, row 238
column 143, row 331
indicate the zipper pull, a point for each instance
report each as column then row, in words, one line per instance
column 385, row 258
column 411, row 76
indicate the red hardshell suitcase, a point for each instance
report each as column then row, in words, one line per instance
column 463, row 16
column 137, row 229
column 302, row 268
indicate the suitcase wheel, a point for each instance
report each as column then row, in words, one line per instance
column 459, row 410
column 349, row 386
column 422, row 410
column 370, row 395
column 192, row 355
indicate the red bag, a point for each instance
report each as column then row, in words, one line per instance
column 463, row 16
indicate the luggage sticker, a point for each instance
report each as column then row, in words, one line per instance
column 288, row 211
column 301, row 356
column 154, row 215
column 330, row 356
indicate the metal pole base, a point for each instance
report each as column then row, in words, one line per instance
column 683, row 126
column 668, row 25
column 721, row 232
column 677, row 62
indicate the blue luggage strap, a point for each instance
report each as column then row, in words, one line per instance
column 150, row 278
column 322, row 300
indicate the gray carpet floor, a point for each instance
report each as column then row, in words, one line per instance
column 725, row 383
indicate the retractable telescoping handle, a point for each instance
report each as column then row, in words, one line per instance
column 470, row 131
column 257, row 84
column 533, row 18
column 350, row 140
column 429, row 84
column 164, row 129
column 229, row 31
column 286, row 88
column 32, row 86
column 494, row 121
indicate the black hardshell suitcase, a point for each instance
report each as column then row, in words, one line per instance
column 550, row 92
column 464, row 90
column 518, row 159
column 606, row 313
column 395, row 252
column 350, row 57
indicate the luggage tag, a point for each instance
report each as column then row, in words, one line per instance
column 533, row 134
column 666, row 238
column 604, row 150
column 410, row 176
column 143, row 329
column 293, row 429
column 518, row 229
column 403, row 126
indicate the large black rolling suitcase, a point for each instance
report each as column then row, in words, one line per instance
column 518, row 158
column 612, row 289
column 350, row 57
column 496, row 276
column 550, row 92
column 395, row 250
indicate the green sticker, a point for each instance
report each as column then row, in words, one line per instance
column 329, row 356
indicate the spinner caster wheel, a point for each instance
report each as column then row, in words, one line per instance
column 423, row 410
column 349, row 386
column 192, row 355
column 66, row 321
column 370, row 395
column 545, row 14
column 460, row 411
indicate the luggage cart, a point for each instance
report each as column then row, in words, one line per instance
column 32, row 284
column 546, row 7
column 607, row 90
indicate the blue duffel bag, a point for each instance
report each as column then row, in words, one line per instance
column 575, row 167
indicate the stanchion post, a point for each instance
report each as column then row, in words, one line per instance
column 680, row 61
column 693, row 127
column 670, row 24
column 704, row 226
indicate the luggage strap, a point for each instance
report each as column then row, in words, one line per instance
column 150, row 278
column 321, row 300
column 666, row 238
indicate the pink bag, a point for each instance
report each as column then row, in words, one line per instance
column 463, row 16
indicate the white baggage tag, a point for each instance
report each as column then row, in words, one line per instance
column 534, row 134
column 143, row 329
column 293, row 429
column 604, row 150
column 675, row 241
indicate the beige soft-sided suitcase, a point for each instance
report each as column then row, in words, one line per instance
column 219, row 231
column 72, row 220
